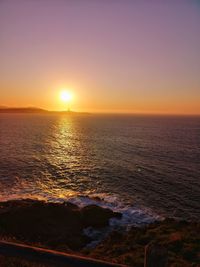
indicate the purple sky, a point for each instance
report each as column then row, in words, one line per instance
column 115, row 55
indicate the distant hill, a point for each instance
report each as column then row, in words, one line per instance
column 34, row 110
column 22, row 110
column 2, row 107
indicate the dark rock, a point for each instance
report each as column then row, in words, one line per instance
column 96, row 216
column 51, row 224
column 37, row 221
column 71, row 205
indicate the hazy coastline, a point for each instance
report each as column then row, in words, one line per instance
column 33, row 110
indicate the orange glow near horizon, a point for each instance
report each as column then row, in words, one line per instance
column 81, row 99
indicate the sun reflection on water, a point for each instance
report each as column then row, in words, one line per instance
column 63, row 161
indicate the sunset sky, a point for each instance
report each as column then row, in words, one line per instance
column 113, row 55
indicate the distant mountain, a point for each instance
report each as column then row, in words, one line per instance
column 4, row 109
column 21, row 110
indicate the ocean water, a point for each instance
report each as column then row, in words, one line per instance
column 147, row 167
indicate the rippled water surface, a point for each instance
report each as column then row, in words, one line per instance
column 151, row 164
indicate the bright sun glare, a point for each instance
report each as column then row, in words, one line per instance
column 66, row 96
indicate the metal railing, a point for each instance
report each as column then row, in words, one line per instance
column 56, row 258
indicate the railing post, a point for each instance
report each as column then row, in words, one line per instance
column 155, row 256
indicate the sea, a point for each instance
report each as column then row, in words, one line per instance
column 146, row 167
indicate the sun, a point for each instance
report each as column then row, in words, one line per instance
column 66, row 96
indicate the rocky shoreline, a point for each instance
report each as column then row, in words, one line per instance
column 62, row 227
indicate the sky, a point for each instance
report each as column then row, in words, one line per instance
column 126, row 56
